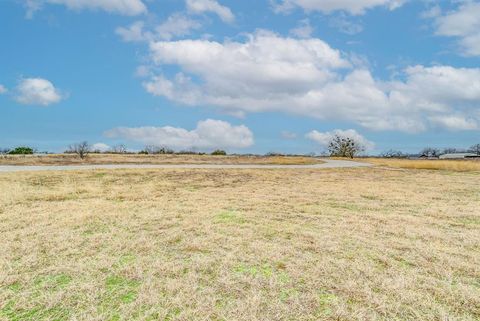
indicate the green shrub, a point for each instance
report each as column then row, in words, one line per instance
column 274, row 154
column 153, row 150
column 189, row 152
column 219, row 152
column 21, row 150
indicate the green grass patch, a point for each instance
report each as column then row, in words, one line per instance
column 127, row 259
column 52, row 282
column 469, row 220
column 14, row 287
column 11, row 313
column 266, row 271
column 286, row 294
column 229, row 217
column 325, row 301
column 119, row 291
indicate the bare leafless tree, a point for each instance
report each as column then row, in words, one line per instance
column 81, row 149
column 453, row 150
column 119, row 149
column 393, row 154
column 430, row 152
column 475, row 149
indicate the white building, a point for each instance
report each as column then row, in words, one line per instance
column 459, row 156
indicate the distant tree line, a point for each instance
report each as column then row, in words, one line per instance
column 394, row 154
column 430, row 152
column 162, row 150
column 338, row 146
column 436, row 152
column 82, row 149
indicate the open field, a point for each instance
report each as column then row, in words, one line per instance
column 70, row 159
column 451, row 165
column 340, row 244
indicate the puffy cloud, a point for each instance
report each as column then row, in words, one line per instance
column 323, row 139
column 133, row 33
column 303, row 30
column 207, row 135
column 463, row 23
column 100, row 147
column 354, row 7
column 440, row 86
column 177, row 25
column 37, row 91
column 3, row 89
column 246, row 75
column 202, row 6
column 456, row 122
column 307, row 77
column 123, row 7
column 345, row 25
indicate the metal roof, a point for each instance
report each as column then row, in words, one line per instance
column 459, row 155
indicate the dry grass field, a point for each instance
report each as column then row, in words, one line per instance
column 71, row 159
column 451, row 165
column 342, row 244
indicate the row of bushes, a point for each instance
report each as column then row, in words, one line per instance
column 21, row 150
column 84, row 148
column 156, row 150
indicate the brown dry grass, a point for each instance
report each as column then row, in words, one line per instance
column 451, row 165
column 69, row 159
column 345, row 244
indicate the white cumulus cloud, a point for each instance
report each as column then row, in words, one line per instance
column 456, row 122
column 207, row 135
column 122, row 7
column 270, row 73
column 246, row 75
column 134, row 33
column 3, row 89
column 202, row 6
column 176, row 25
column 354, row 7
column 324, row 138
column 102, row 147
column 462, row 23
column 37, row 91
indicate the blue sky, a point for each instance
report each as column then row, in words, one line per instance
column 246, row 76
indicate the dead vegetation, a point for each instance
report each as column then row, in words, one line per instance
column 346, row 244
column 73, row 159
column 450, row 165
